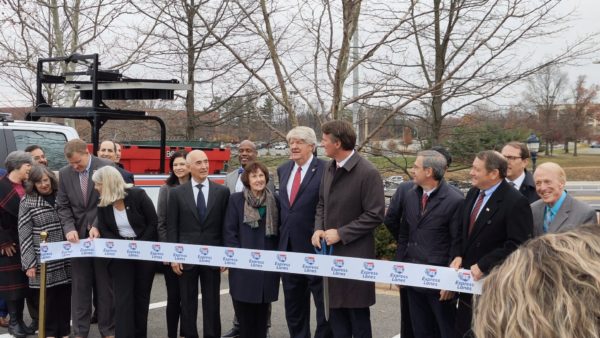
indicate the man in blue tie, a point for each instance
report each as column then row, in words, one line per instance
column 196, row 215
column 557, row 210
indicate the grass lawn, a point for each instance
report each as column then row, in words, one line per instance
column 581, row 168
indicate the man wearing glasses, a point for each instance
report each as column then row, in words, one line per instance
column 517, row 155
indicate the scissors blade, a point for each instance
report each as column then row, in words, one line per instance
column 326, row 297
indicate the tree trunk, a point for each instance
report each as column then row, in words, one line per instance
column 566, row 146
column 189, row 98
column 575, row 147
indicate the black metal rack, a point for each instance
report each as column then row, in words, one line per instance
column 102, row 84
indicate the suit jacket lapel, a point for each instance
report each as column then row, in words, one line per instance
column 188, row 195
column 561, row 216
column 286, row 174
column 489, row 209
column 211, row 197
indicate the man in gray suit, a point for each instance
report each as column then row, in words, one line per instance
column 557, row 210
column 76, row 201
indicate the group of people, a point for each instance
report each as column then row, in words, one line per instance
column 336, row 204
column 436, row 225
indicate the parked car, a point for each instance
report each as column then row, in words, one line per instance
column 595, row 145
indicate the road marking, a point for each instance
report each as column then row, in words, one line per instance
column 158, row 305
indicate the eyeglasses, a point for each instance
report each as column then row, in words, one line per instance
column 513, row 158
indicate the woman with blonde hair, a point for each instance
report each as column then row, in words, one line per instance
column 549, row 287
column 127, row 213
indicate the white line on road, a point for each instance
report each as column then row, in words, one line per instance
column 158, row 305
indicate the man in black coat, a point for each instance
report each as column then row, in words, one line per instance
column 496, row 219
column 430, row 234
column 299, row 182
column 196, row 216
column 517, row 156
column 108, row 151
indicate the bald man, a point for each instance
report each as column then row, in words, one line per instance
column 196, row 215
column 557, row 210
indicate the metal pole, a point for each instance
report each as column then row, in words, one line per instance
column 42, row 308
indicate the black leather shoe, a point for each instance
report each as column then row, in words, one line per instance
column 32, row 329
column 15, row 328
column 233, row 333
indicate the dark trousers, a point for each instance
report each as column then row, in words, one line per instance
column 252, row 318
column 347, row 323
column 173, row 301
column 132, row 284
column 83, row 273
column 406, row 330
column 297, row 290
column 33, row 303
column 464, row 315
column 58, row 310
column 210, row 283
column 429, row 315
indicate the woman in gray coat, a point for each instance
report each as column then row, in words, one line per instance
column 37, row 213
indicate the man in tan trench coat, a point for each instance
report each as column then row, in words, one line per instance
column 351, row 205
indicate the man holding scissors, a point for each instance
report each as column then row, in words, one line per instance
column 351, row 205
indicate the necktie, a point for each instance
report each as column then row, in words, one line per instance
column 201, row 203
column 295, row 185
column 83, row 182
column 424, row 201
column 514, row 185
column 475, row 211
column 548, row 217
column 240, row 170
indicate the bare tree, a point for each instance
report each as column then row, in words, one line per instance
column 580, row 111
column 545, row 89
column 42, row 29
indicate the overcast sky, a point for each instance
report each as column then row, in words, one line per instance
column 585, row 20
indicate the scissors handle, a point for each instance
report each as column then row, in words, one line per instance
column 325, row 249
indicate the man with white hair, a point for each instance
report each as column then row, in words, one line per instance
column 299, row 182
column 557, row 210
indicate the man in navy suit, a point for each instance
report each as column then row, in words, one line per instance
column 299, row 182
column 496, row 219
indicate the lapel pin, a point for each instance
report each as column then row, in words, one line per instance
column 313, row 169
column 487, row 209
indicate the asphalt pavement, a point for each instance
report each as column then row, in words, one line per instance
column 385, row 314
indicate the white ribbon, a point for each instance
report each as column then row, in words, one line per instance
column 371, row 270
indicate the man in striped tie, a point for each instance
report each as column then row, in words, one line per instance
column 496, row 220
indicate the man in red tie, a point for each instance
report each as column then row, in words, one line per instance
column 299, row 182
column 429, row 233
column 496, row 220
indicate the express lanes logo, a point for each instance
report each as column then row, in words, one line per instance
column 397, row 275
column 204, row 255
column 309, row 265
column 429, row 279
column 255, row 260
column 86, row 248
column 338, row 268
column 464, row 281
column 132, row 250
column 368, row 271
column 229, row 258
column 156, row 252
column 109, row 249
column 179, row 255
column 66, row 250
column 281, row 262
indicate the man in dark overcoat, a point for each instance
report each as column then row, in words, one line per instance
column 351, row 205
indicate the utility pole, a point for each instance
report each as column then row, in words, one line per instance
column 355, row 105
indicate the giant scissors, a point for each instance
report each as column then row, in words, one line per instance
column 325, row 250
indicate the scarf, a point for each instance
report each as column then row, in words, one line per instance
column 252, row 216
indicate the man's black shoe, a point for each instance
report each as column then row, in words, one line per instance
column 94, row 318
column 233, row 333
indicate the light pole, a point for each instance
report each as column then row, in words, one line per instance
column 533, row 144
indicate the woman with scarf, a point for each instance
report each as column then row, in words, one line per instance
column 13, row 282
column 38, row 213
column 252, row 222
